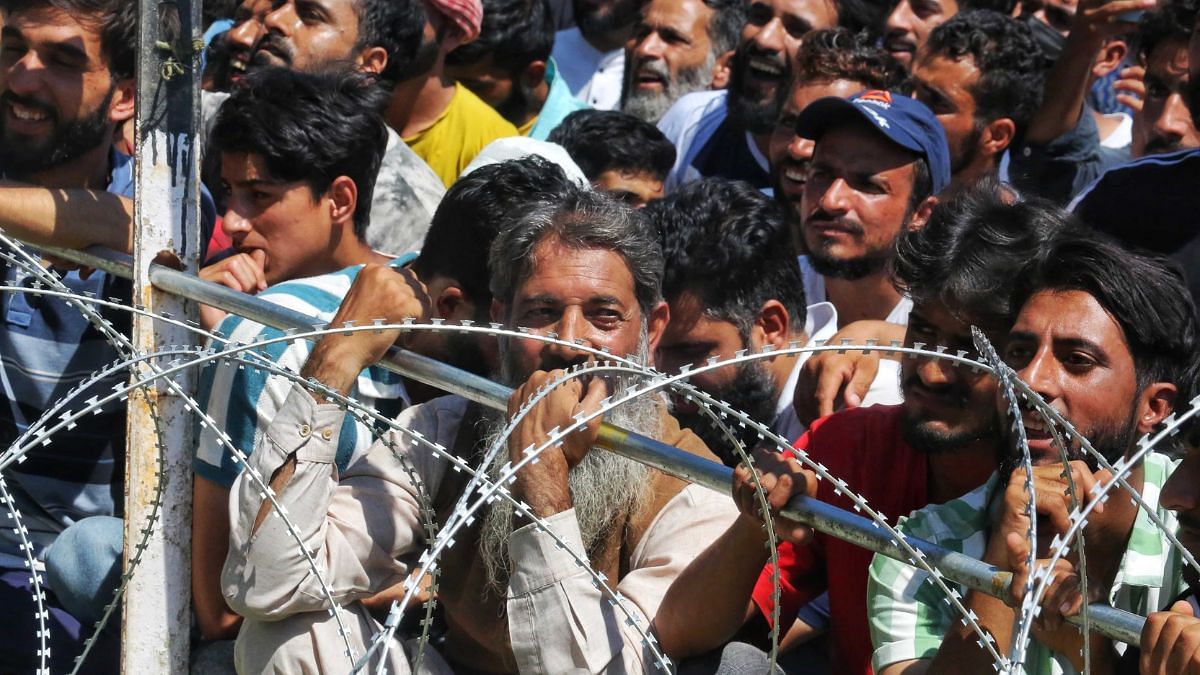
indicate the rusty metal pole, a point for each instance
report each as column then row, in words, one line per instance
column 157, row 614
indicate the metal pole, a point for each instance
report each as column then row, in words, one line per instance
column 956, row 567
column 157, row 609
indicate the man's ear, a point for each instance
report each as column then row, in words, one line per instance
column 997, row 136
column 534, row 74
column 372, row 60
column 1111, row 56
column 124, row 101
column 721, row 70
column 921, row 215
column 343, row 199
column 1155, row 404
column 772, row 326
column 656, row 323
column 452, row 303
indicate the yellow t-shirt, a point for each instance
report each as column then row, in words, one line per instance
column 464, row 128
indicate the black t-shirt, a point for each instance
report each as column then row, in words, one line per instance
column 1152, row 204
column 726, row 155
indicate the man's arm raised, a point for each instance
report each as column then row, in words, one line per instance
column 73, row 218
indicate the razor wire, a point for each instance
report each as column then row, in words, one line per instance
column 482, row 489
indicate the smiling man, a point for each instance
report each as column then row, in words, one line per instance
column 1107, row 338
column 675, row 51
column 725, row 134
column 912, row 21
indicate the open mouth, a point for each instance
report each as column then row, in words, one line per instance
column 27, row 113
column 645, row 79
column 764, row 68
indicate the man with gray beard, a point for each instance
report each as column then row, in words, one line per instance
column 675, row 50
column 582, row 269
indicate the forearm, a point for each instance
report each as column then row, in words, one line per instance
column 66, row 218
column 711, row 598
column 1065, row 89
column 960, row 651
column 210, row 545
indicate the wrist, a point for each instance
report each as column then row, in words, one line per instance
column 332, row 366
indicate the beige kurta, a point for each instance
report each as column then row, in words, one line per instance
column 364, row 530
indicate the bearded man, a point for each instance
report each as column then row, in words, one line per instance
column 586, row 271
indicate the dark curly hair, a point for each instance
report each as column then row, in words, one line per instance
column 729, row 244
column 397, row 26
column 607, row 140
column 838, row 54
column 310, row 127
column 1009, row 62
column 1172, row 20
column 515, row 32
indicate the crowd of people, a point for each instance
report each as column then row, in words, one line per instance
column 676, row 181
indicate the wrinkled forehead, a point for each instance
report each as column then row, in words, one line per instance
column 49, row 26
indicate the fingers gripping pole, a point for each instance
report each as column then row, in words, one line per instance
column 955, row 567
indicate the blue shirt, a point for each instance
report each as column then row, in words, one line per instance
column 559, row 103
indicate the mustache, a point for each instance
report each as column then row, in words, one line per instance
column 951, row 393
column 898, row 40
column 274, row 43
column 655, row 67
column 30, row 102
column 822, row 216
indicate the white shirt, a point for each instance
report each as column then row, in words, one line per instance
column 593, row 76
column 689, row 124
column 814, row 292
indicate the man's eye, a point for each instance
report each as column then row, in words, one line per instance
column 1157, row 90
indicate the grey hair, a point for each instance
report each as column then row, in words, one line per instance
column 582, row 220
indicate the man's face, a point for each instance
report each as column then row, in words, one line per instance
column 282, row 219
column 856, row 200
column 911, row 22
column 669, row 55
column 307, row 34
column 597, row 18
column 1193, row 86
column 1181, row 494
column 636, row 189
column 249, row 27
column 496, row 85
column 946, row 406
column 1164, row 123
column 790, row 153
column 578, row 294
column 691, row 337
column 1072, row 352
column 58, row 98
column 761, row 67
column 944, row 85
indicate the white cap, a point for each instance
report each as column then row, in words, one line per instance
column 517, row 147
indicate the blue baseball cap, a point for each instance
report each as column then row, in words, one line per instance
column 904, row 121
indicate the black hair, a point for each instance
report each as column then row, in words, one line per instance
column 607, row 140
column 398, row 26
column 515, row 32
column 475, row 209
column 974, row 247
column 729, row 244
column 212, row 11
column 115, row 20
column 865, row 17
column 1008, row 59
column 833, row 54
column 310, row 127
column 1170, row 21
column 725, row 26
column 1004, row 7
column 1146, row 295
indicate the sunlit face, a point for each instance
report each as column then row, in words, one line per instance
column 946, row 406
column 790, row 153
column 1164, row 123
column 1073, row 353
column 669, row 55
column 249, row 27
column 59, row 99
column 944, row 85
column 284, row 220
column 634, row 188
column 856, row 200
column 761, row 68
column 911, row 22
column 577, row 294
column 308, row 34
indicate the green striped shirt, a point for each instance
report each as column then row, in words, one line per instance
column 909, row 615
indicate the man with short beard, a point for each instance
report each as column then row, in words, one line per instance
column 675, row 50
column 591, row 56
column 939, row 444
column 732, row 284
column 879, row 162
column 1106, row 338
column 586, row 271
column 725, row 133
column 1161, row 121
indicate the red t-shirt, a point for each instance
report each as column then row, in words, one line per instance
column 864, row 447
